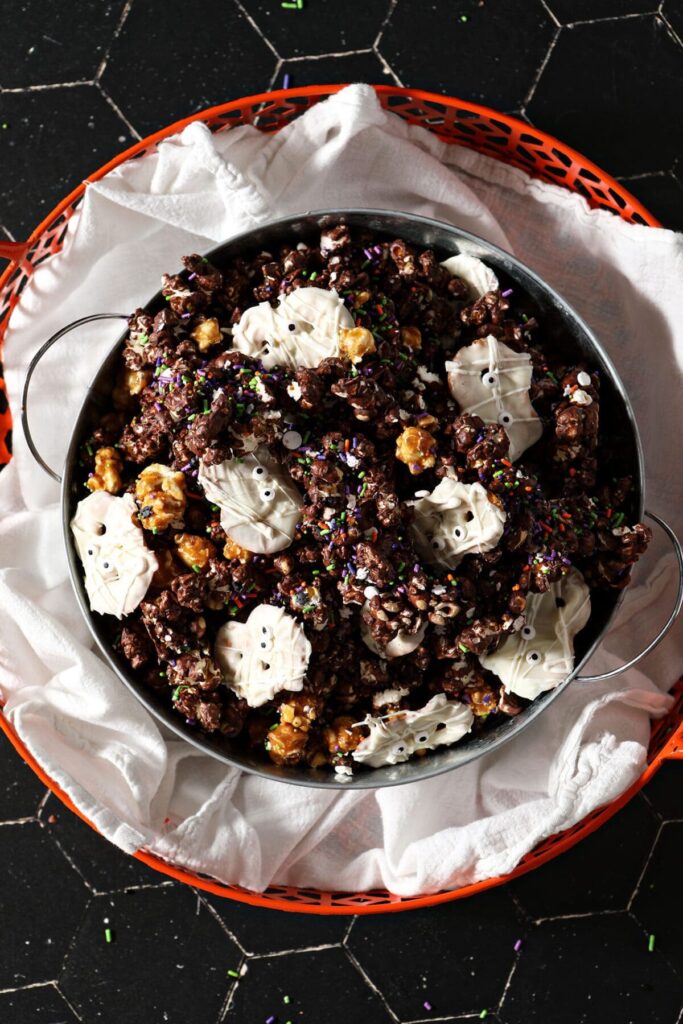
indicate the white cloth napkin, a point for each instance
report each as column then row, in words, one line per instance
column 144, row 788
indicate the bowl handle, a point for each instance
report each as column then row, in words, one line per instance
column 29, row 374
column 676, row 544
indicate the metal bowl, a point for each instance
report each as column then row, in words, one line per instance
column 562, row 328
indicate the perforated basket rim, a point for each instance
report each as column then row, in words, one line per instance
column 667, row 735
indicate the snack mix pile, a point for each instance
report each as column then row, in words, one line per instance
column 348, row 503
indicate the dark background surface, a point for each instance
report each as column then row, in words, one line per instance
column 80, row 81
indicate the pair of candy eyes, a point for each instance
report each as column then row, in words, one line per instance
column 490, row 379
column 265, row 642
column 528, row 633
column 459, row 533
column 268, row 493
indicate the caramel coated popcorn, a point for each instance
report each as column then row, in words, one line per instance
column 161, row 496
column 107, row 473
column 356, row 343
column 417, row 448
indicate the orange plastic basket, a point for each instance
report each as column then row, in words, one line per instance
column 456, row 122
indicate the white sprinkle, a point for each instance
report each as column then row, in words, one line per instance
column 583, row 379
column 370, row 592
column 292, row 439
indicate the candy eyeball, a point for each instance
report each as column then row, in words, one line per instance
column 438, row 543
column 268, row 494
column 527, row 632
column 505, row 419
column 533, row 657
column 489, row 378
column 258, row 472
column 460, row 533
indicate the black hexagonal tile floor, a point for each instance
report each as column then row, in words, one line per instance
column 662, row 195
column 583, row 879
column 168, row 63
column 665, row 791
column 167, row 960
column 602, row 90
column 270, row 931
column 52, row 140
column 46, row 47
column 568, row 11
column 355, row 67
column 21, row 790
column 319, row 26
column 42, row 900
column 323, row 986
column 591, row 970
column 102, row 864
column 653, row 902
column 456, row 956
column 41, row 1005
column 490, row 53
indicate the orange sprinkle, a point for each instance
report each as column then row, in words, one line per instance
column 347, row 444
column 548, row 529
column 507, row 463
column 572, row 471
column 528, row 489
column 566, row 515
column 609, row 513
column 515, row 586
column 449, row 577
column 239, row 602
column 563, row 528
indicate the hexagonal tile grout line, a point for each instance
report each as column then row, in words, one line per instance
column 48, row 86
column 612, row 17
column 551, row 14
column 214, row 913
column 371, row 985
column 117, row 110
column 257, row 28
column 541, row 69
column 669, row 27
column 116, row 33
column 646, row 864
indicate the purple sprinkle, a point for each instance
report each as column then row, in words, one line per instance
column 508, row 291
column 427, row 1005
column 377, row 248
column 185, row 316
column 270, row 1020
column 517, row 946
column 191, row 277
column 158, row 406
column 183, row 469
column 354, row 443
column 368, row 253
column 416, row 567
column 190, row 721
column 285, row 81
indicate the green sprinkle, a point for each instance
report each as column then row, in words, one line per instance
column 88, row 448
column 155, row 530
column 313, row 275
column 332, row 566
column 206, row 406
column 185, row 379
column 363, row 490
column 196, row 568
column 464, row 649
column 651, row 944
column 286, row 1000
column 401, row 566
column 361, row 474
column 483, row 1014
column 316, row 572
column 215, row 508
column 524, row 317
column 233, row 974
column 4, row 124
column 552, row 377
column 163, row 675
column 107, row 935
column 618, row 519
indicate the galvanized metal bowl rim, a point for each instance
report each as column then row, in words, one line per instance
column 386, row 776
